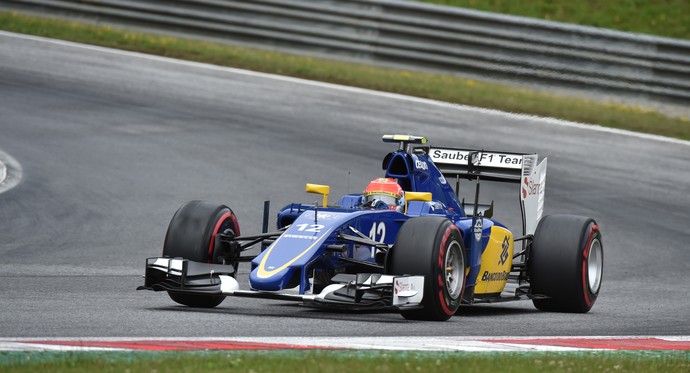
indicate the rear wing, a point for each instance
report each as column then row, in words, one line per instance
column 481, row 164
column 519, row 168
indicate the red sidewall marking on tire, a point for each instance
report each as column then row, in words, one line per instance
column 585, row 272
column 215, row 231
column 441, row 264
column 235, row 223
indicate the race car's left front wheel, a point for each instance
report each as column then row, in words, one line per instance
column 191, row 235
column 431, row 246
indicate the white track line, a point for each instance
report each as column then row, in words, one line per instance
column 469, row 344
column 502, row 114
column 3, row 172
column 10, row 172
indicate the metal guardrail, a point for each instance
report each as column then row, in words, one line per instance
column 413, row 35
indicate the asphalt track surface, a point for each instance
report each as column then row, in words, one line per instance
column 112, row 143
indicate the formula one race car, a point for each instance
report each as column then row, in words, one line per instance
column 408, row 243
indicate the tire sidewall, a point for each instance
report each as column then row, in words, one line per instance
column 447, row 238
column 421, row 249
column 591, row 233
column 558, row 263
column 191, row 235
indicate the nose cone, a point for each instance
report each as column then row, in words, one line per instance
column 284, row 259
column 275, row 268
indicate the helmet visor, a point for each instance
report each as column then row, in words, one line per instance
column 388, row 199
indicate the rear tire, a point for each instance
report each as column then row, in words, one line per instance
column 191, row 235
column 431, row 246
column 566, row 262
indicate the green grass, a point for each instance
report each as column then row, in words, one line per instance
column 434, row 86
column 344, row 361
column 670, row 18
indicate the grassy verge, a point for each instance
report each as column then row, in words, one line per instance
column 344, row 361
column 670, row 18
column 427, row 85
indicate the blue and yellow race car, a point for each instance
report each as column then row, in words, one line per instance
column 407, row 243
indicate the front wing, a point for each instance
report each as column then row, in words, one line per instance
column 363, row 291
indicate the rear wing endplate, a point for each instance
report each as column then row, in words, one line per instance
column 516, row 168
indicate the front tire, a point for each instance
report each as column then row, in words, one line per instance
column 431, row 246
column 191, row 235
column 566, row 263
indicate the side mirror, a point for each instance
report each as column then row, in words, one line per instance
column 323, row 190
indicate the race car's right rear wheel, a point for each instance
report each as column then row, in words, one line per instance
column 566, row 263
column 191, row 235
column 431, row 246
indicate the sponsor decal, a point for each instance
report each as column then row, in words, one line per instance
column 484, row 158
column 401, row 287
column 478, row 229
column 504, row 254
column 457, row 155
column 324, row 216
column 442, row 180
column 495, row 276
column 421, row 165
column 530, row 188
column 300, row 236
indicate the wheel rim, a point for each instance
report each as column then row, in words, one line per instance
column 454, row 275
column 595, row 264
column 225, row 222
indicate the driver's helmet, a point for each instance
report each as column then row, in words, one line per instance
column 384, row 189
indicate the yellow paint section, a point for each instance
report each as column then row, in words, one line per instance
column 262, row 272
column 323, row 190
column 407, row 138
column 416, row 196
column 496, row 262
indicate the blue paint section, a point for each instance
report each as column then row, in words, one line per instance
column 419, row 208
column 351, row 201
column 276, row 267
column 302, row 247
column 417, row 172
column 476, row 249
